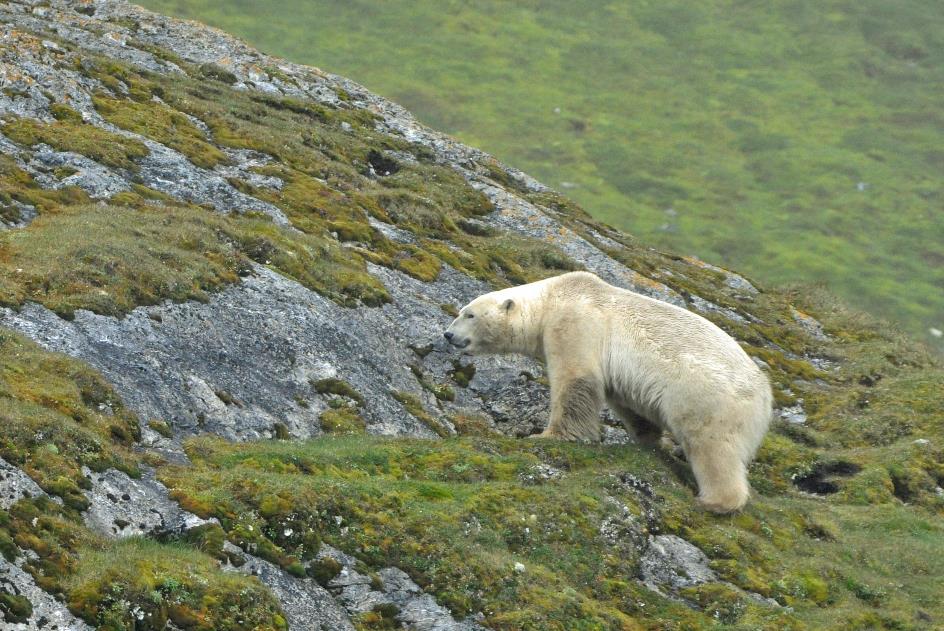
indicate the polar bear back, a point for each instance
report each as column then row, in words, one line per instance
column 663, row 362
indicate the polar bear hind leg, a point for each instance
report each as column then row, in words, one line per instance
column 644, row 431
column 720, row 473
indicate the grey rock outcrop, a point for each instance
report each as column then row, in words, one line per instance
column 14, row 485
column 121, row 506
column 307, row 605
column 671, row 563
column 415, row 610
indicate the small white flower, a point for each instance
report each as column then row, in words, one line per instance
column 519, row 567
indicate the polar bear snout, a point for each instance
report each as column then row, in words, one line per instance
column 456, row 341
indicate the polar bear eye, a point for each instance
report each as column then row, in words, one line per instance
column 470, row 315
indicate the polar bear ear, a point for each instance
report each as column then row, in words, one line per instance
column 508, row 304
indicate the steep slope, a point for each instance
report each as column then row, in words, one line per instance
column 800, row 141
column 225, row 404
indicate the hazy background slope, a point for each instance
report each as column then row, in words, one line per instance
column 798, row 141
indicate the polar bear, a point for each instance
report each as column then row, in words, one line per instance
column 657, row 366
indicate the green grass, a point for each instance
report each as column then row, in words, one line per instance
column 456, row 516
column 146, row 253
column 137, row 256
column 754, row 124
column 163, row 124
column 71, row 135
column 167, row 582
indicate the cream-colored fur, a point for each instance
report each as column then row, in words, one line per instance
column 657, row 366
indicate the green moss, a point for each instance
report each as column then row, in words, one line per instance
column 161, row 427
column 15, row 608
column 217, row 73
column 870, row 595
column 65, row 113
column 208, row 538
column 342, row 421
column 316, row 111
column 162, row 124
column 68, row 135
column 471, row 425
column 796, row 368
column 17, row 185
column 441, row 391
column 717, row 600
column 140, row 257
column 62, row 173
column 315, row 262
column 415, row 407
column 59, row 415
column 338, row 387
column 166, row 583
column 380, row 618
column 152, row 253
column 323, row 570
column 462, row 374
column 353, row 231
column 7, row 546
column 159, row 52
column 418, row 263
column 451, row 513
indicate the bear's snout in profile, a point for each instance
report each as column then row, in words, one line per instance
column 460, row 342
column 657, row 366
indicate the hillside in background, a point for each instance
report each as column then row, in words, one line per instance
column 226, row 403
column 797, row 142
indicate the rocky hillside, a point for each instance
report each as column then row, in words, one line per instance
column 225, row 405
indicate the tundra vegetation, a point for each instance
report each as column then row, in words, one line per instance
column 846, row 531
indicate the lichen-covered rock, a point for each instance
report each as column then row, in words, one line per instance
column 671, row 563
column 392, row 587
column 121, row 506
column 307, row 605
column 15, row 485
column 45, row 613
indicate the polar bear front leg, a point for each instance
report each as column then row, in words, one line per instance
column 575, row 408
column 576, row 394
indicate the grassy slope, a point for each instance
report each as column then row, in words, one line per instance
column 754, row 123
column 865, row 556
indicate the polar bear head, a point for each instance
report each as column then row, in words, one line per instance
column 505, row 321
column 485, row 325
